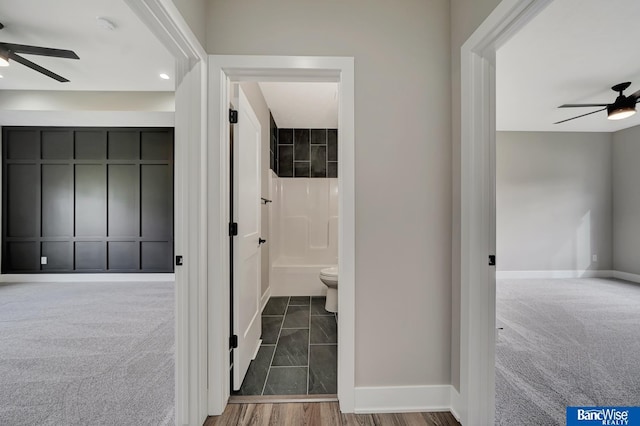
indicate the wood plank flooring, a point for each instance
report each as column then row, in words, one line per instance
column 320, row 414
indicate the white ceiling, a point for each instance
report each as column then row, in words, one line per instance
column 572, row 52
column 126, row 58
column 302, row 105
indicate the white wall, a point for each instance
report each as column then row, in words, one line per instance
column 626, row 200
column 58, row 100
column 466, row 16
column 67, row 108
column 553, row 201
column 259, row 105
column 304, row 234
column 403, row 163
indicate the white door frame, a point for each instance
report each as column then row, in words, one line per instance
column 222, row 70
column 190, row 216
column 477, row 296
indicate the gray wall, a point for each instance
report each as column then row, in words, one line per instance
column 626, row 200
column 403, row 163
column 259, row 105
column 553, row 201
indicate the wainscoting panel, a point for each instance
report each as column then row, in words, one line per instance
column 87, row 200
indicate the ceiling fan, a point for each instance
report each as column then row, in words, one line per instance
column 622, row 107
column 9, row 51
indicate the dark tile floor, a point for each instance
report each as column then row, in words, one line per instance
column 299, row 352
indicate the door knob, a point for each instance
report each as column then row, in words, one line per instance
column 261, row 241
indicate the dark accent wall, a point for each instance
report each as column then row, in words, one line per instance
column 87, row 199
column 307, row 153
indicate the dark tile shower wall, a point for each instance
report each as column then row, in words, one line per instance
column 305, row 152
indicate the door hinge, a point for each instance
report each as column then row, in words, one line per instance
column 233, row 341
column 179, row 260
column 233, row 229
column 492, row 260
column 233, row 116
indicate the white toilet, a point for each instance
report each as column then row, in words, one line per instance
column 329, row 276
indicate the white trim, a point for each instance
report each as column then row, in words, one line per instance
column 477, row 291
column 57, row 278
column 222, row 68
column 455, row 403
column 626, row 276
column 256, row 349
column 265, row 299
column 402, row 399
column 504, row 275
column 167, row 23
column 190, row 218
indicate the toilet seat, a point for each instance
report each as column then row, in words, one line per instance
column 330, row 276
column 329, row 272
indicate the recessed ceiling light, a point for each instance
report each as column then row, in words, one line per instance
column 1, row 76
column 164, row 76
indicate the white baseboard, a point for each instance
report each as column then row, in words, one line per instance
column 402, row 399
column 255, row 351
column 456, row 404
column 265, row 299
column 56, row 278
column 515, row 275
column 502, row 275
column 626, row 276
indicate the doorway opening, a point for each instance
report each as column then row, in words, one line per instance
column 224, row 71
column 284, row 285
column 558, row 180
column 478, row 225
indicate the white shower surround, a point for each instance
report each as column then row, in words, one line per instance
column 304, row 234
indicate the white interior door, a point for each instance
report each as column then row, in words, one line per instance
column 246, row 249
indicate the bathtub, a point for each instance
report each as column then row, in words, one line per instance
column 291, row 279
column 303, row 231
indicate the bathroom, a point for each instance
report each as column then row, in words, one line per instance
column 299, row 213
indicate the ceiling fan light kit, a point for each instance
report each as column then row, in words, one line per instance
column 622, row 110
column 4, row 57
column 622, row 107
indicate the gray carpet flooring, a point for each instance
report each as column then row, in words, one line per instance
column 565, row 343
column 87, row 354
